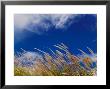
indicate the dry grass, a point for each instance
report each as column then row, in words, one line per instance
column 57, row 63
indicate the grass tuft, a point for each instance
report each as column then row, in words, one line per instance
column 57, row 63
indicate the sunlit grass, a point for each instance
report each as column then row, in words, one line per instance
column 59, row 63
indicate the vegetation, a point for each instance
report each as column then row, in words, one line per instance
column 59, row 63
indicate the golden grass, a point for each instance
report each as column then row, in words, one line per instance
column 56, row 65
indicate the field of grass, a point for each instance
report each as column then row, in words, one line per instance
column 60, row 62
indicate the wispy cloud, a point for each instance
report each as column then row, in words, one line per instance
column 39, row 23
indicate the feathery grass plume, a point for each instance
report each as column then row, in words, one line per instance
column 23, row 50
column 61, row 48
column 82, row 52
column 64, row 45
column 59, row 63
column 52, row 52
column 91, row 51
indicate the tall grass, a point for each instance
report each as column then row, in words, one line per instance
column 60, row 62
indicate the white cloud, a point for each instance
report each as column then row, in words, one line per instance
column 59, row 21
column 20, row 21
column 39, row 23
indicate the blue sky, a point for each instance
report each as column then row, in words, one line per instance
column 42, row 31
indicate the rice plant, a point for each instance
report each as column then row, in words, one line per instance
column 60, row 62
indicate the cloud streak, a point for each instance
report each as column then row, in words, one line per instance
column 39, row 23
